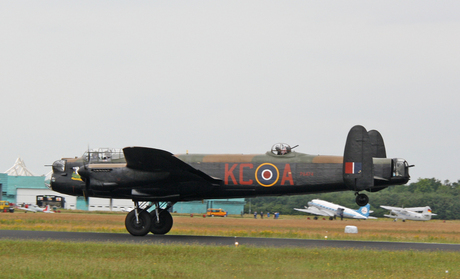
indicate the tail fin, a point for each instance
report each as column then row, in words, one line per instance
column 377, row 144
column 427, row 211
column 358, row 166
column 47, row 209
column 364, row 210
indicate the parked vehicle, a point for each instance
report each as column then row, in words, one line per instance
column 216, row 212
column 4, row 206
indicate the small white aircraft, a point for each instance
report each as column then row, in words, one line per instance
column 409, row 213
column 324, row 208
column 34, row 208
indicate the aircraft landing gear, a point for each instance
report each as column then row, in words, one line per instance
column 162, row 220
column 138, row 222
column 163, row 224
column 361, row 199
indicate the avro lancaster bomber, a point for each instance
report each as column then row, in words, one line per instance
column 156, row 179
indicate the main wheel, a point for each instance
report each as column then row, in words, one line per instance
column 140, row 228
column 362, row 199
column 163, row 225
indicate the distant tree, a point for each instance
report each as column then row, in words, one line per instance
column 443, row 198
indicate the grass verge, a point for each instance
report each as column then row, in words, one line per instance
column 434, row 231
column 51, row 259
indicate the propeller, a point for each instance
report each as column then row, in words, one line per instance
column 84, row 173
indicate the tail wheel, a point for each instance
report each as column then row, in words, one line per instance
column 163, row 224
column 139, row 227
column 362, row 199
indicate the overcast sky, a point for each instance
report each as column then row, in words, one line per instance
column 230, row 77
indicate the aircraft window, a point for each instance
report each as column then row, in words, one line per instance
column 59, row 166
column 104, row 155
column 281, row 149
column 399, row 169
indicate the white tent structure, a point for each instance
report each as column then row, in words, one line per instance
column 19, row 169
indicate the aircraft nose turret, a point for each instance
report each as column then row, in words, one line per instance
column 64, row 179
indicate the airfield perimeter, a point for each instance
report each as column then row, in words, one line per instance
column 295, row 231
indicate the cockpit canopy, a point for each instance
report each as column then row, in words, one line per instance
column 281, row 149
column 104, row 155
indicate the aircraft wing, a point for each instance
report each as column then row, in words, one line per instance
column 392, row 208
column 27, row 209
column 314, row 210
column 151, row 159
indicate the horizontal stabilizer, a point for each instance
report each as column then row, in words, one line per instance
column 358, row 167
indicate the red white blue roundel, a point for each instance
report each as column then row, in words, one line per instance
column 267, row 174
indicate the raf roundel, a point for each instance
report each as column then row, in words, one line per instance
column 267, row 174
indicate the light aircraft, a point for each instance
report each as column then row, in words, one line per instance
column 156, row 179
column 332, row 210
column 34, row 208
column 409, row 213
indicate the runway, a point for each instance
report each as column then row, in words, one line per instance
column 221, row 241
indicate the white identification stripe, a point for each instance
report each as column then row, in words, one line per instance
column 264, row 172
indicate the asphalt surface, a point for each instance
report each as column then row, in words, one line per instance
column 220, row 240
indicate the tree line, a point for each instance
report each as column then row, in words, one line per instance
column 442, row 197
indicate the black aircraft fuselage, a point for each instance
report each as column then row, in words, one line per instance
column 153, row 175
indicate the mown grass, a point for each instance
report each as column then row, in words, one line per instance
column 51, row 259
column 435, row 231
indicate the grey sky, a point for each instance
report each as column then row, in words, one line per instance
column 229, row 77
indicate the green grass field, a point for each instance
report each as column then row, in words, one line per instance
column 51, row 259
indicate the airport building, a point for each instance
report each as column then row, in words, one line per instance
column 18, row 185
column 232, row 206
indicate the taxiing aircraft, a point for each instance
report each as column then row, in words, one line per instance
column 409, row 213
column 34, row 208
column 332, row 210
column 156, row 179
